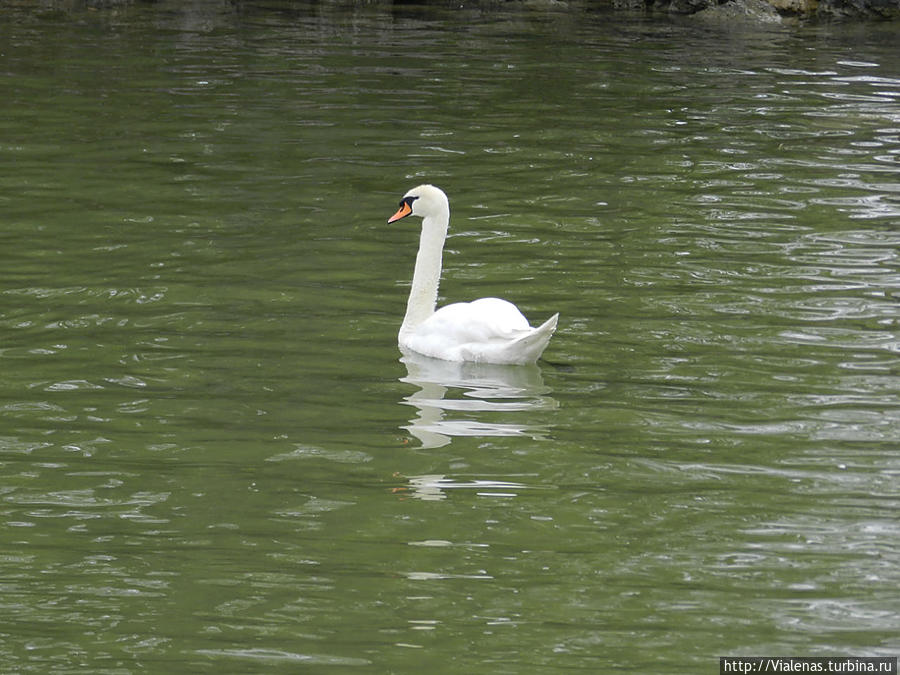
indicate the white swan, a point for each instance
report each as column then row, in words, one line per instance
column 488, row 330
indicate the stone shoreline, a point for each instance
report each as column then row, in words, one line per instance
column 761, row 11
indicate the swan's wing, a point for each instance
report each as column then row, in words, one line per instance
column 488, row 330
column 481, row 321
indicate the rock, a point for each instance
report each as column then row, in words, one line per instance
column 768, row 11
column 880, row 9
column 756, row 11
column 804, row 7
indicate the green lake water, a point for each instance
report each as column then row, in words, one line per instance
column 212, row 458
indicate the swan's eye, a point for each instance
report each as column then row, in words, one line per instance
column 408, row 201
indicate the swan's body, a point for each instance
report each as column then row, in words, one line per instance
column 488, row 330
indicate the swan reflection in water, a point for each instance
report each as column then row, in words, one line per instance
column 434, row 487
column 473, row 399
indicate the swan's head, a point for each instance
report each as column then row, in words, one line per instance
column 422, row 201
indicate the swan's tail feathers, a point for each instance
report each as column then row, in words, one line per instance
column 530, row 346
column 549, row 325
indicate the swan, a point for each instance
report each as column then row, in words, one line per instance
column 489, row 330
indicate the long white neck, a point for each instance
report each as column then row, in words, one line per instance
column 427, row 275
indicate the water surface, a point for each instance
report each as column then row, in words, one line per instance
column 213, row 457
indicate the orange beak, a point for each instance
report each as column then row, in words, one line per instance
column 404, row 210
